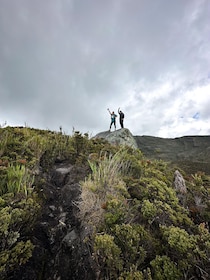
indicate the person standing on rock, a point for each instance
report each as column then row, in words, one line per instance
column 113, row 119
column 121, row 118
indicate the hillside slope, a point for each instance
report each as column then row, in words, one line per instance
column 78, row 208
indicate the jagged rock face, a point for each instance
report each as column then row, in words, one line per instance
column 60, row 252
column 180, row 187
column 119, row 137
column 179, row 183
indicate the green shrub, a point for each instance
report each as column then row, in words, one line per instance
column 14, row 223
column 107, row 255
column 148, row 209
column 18, row 255
column 130, row 239
column 115, row 212
column 178, row 239
column 164, row 269
column 134, row 274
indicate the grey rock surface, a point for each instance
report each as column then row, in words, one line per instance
column 179, row 182
column 119, row 137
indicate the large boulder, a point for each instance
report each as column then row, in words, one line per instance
column 119, row 137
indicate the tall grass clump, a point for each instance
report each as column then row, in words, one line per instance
column 37, row 144
column 19, row 180
column 103, row 184
column 106, row 172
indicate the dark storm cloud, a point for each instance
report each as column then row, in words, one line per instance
column 64, row 62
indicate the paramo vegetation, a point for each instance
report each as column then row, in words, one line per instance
column 136, row 225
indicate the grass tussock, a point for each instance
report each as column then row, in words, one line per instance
column 103, row 183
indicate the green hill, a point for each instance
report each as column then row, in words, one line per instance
column 79, row 208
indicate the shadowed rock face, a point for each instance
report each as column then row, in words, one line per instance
column 60, row 252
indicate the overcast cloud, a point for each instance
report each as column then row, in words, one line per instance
column 64, row 62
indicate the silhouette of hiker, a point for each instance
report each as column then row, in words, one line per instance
column 121, row 117
column 113, row 119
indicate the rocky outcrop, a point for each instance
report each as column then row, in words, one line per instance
column 119, row 137
column 180, row 186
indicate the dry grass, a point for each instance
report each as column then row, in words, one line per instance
column 103, row 183
column 90, row 207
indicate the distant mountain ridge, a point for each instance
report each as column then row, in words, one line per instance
column 192, row 153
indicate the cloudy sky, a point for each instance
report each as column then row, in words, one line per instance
column 64, row 62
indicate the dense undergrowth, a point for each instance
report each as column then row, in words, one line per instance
column 140, row 230
column 24, row 153
column 137, row 228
